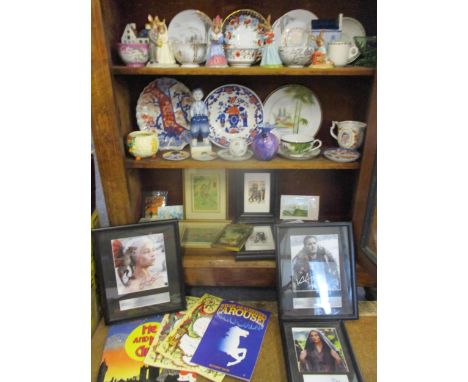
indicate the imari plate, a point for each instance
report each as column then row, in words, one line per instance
column 234, row 112
column 163, row 106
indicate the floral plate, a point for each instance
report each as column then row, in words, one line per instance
column 293, row 109
column 189, row 26
column 204, row 156
column 234, row 111
column 163, row 106
column 341, row 155
column 176, row 155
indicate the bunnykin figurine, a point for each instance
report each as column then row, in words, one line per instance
column 199, row 124
column 319, row 57
column 270, row 56
column 160, row 51
column 216, row 57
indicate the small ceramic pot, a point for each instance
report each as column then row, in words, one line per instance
column 142, row 144
column 241, row 56
column 295, row 57
column 350, row 133
column 133, row 55
column 265, row 144
column 299, row 144
column 190, row 55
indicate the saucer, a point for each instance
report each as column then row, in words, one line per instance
column 309, row 155
column 226, row 155
column 341, row 155
column 176, row 155
column 204, row 156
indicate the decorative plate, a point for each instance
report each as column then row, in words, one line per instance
column 242, row 29
column 305, row 156
column 293, row 109
column 204, row 156
column 172, row 125
column 349, row 29
column 234, row 112
column 341, row 155
column 189, row 26
column 295, row 19
column 226, row 155
column 176, row 155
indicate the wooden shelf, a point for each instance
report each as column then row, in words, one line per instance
column 250, row 71
column 276, row 163
column 214, row 267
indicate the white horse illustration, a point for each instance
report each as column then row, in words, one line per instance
column 230, row 344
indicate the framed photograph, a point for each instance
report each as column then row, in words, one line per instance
column 233, row 237
column 200, row 234
column 299, row 207
column 316, row 271
column 151, row 201
column 205, row 194
column 256, row 191
column 260, row 245
column 140, row 269
column 319, row 352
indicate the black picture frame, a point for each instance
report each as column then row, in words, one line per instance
column 244, row 212
column 320, row 289
column 333, row 336
column 265, row 254
column 139, row 270
column 368, row 240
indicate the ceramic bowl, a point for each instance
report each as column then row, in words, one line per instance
column 295, row 57
column 241, row 56
column 189, row 54
column 142, row 144
column 133, row 55
column 299, row 144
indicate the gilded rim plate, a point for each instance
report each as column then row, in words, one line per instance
column 293, row 106
column 226, row 155
column 341, row 155
column 172, row 125
column 176, row 155
column 189, row 26
column 234, row 111
column 350, row 29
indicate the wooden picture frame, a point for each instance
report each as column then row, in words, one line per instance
column 140, row 269
column 301, row 362
column 200, row 234
column 260, row 245
column 205, row 195
column 316, row 271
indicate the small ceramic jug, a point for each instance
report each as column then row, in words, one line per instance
column 266, row 144
column 142, row 144
column 350, row 133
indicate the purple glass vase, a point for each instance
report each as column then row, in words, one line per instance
column 266, row 144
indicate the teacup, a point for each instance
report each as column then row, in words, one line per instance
column 299, row 144
column 342, row 52
column 350, row 133
column 238, row 147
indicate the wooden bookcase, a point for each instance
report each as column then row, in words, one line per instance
column 347, row 93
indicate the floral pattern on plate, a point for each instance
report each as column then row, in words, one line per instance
column 235, row 111
column 242, row 29
column 176, row 155
column 163, row 106
column 341, row 155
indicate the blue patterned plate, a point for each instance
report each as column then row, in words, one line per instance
column 234, row 112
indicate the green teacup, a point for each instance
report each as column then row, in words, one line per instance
column 299, row 144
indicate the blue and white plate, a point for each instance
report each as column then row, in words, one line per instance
column 163, row 107
column 234, row 111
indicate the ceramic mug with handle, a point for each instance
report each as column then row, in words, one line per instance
column 350, row 133
column 342, row 52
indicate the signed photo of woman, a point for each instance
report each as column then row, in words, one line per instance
column 318, row 350
column 140, row 263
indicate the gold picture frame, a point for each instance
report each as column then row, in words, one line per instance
column 205, row 195
column 200, row 234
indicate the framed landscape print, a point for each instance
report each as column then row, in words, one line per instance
column 260, row 245
column 316, row 271
column 299, row 207
column 140, row 269
column 200, row 234
column 205, row 194
column 319, row 352
column 256, row 193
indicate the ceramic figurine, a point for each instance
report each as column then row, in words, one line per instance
column 216, row 57
column 199, row 124
column 152, row 35
column 320, row 57
column 270, row 56
column 158, row 35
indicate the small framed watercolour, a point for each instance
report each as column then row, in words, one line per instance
column 260, row 245
column 316, row 271
column 299, row 207
column 171, row 212
column 205, row 194
column 233, row 237
column 150, row 203
column 200, row 234
column 319, row 352
column 140, row 269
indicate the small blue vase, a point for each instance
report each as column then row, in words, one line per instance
column 266, row 144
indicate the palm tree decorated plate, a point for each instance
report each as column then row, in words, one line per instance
column 293, row 109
